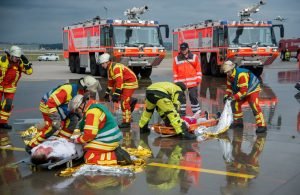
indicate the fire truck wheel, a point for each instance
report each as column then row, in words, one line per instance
column 136, row 70
column 215, row 69
column 146, row 72
column 79, row 70
column 205, row 67
column 94, row 67
column 72, row 64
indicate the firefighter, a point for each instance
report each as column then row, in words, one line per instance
column 54, row 108
column 187, row 69
column 166, row 97
column 101, row 135
column 242, row 86
column 12, row 65
column 287, row 55
column 122, row 82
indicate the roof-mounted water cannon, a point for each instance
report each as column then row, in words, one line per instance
column 246, row 13
column 133, row 13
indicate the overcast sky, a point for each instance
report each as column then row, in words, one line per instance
column 41, row 21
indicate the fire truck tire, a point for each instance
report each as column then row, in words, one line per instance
column 205, row 67
column 94, row 67
column 72, row 64
column 146, row 72
column 136, row 70
column 102, row 72
column 215, row 69
column 79, row 70
column 257, row 71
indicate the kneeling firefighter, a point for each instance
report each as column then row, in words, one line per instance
column 101, row 135
column 167, row 98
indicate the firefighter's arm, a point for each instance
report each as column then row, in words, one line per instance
column 198, row 68
column 175, row 70
column 118, row 78
column 242, row 84
column 26, row 65
column 95, row 120
column 228, row 92
column 179, row 98
column 57, row 98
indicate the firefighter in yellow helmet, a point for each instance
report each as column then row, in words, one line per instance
column 167, row 97
column 12, row 65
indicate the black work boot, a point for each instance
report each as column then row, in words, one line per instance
column 5, row 126
column 132, row 103
column 237, row 124
column 145, row 129
column 124, row 125
column 123, row 157
column 261, row 129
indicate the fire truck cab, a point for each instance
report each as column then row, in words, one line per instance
column 250, row 44
column 132, row 42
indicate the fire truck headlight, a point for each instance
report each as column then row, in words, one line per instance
column 234, row 50
column 274, row 49
column 161, row 50
column 121, row 50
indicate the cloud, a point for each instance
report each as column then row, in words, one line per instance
column 42, row 21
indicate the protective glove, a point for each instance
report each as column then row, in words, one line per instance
column 28, row 149
column 115, row 97
column 24, row 60
column 226, row 97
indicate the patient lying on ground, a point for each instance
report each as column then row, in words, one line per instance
column 54, row 149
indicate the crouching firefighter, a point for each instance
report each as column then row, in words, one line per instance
column 242, row 86
column 101, row 135
column 54, row 108
column 167, row 98
column 12, row 65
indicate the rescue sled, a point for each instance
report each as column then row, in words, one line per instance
column 166, row 130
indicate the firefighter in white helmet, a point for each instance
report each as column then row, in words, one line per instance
column 243, row 86
column 12, row 65
column 122, row 82
column 54, row 108
column 101, row 136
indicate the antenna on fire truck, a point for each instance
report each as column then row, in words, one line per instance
column 246, row 13
column 133, row 13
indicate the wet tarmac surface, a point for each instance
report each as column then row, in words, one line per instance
column 237, row 162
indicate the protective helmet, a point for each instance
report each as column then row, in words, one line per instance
column 181, row 85
column 75, row 102
column 227, row 66
column 15, row 51
column 104, row 58
column 90, row 83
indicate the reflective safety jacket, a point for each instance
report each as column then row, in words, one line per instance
column 241, row 83
column 10, row 74
column 187, row 70
column 98, row 126
column 166, row 90
column 58, row 98
column 121, row 77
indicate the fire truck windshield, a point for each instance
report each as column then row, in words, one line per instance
column 249, row 36
column 135, row 36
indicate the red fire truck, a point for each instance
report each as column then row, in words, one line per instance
column 248, row 43
column 133, row 42
column 292, row 45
